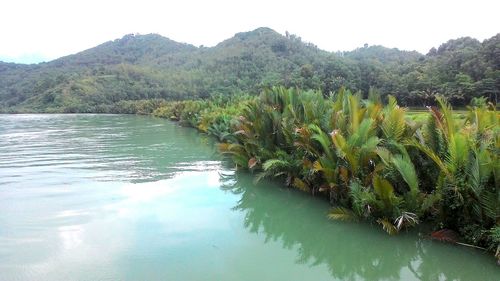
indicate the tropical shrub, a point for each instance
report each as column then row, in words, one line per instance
column 370, row 159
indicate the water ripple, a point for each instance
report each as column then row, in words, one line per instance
column 91, row 147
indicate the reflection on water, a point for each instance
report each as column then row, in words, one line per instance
column 95, row 147
column 350, row 251
column 110, row 197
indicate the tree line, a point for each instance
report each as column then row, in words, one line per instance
column 139, row 67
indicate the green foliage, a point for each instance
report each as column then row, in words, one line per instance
column 139, row 67
column 342, row 214
column 387, row 226
column 495, row 241
column 466, row 155
column 369, row 159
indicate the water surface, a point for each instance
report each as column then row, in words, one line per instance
column 116, row 197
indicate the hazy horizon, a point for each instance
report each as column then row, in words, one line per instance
column 43, row 31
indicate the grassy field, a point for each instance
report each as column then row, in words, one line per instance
column 421, row 115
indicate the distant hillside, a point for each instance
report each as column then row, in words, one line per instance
column 151, row 67
column 141, row 49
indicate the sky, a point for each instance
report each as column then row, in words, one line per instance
column 34, row 30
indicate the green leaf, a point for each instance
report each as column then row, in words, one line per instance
column 300, row 184
column 405, row 167
column 342, row 214
column 383, row 188
column 387, row 226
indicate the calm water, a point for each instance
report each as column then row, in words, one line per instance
column 112, row 197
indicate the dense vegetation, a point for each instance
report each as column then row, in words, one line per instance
column 366, row 154
column 138, row 67
column 372, row 161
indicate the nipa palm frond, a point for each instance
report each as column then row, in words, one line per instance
column 342, row 214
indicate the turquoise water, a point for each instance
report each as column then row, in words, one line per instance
column 116, row 197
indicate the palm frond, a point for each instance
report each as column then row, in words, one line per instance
column 275, row 164
column 301, row 185
column 383, row 188
column 394, row 123
column 490, row 202
column 406, row 219
column 342, row 214
column 405, row 167
column 447, row 116
column 428, row 151
column 387, row 226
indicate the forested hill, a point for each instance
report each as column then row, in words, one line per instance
column 153, row 67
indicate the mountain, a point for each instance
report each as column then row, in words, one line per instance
column 130, row 49
column 154, row 67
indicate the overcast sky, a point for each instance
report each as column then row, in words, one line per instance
column 36, row 30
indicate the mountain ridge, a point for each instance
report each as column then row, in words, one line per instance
column 152, row 66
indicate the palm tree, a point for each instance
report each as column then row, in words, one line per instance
column 466, row 154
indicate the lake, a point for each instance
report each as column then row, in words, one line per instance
column 121, row 197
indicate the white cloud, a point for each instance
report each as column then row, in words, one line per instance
column 56, row 28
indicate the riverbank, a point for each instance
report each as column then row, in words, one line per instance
column 129, row 197
column 373, row 161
